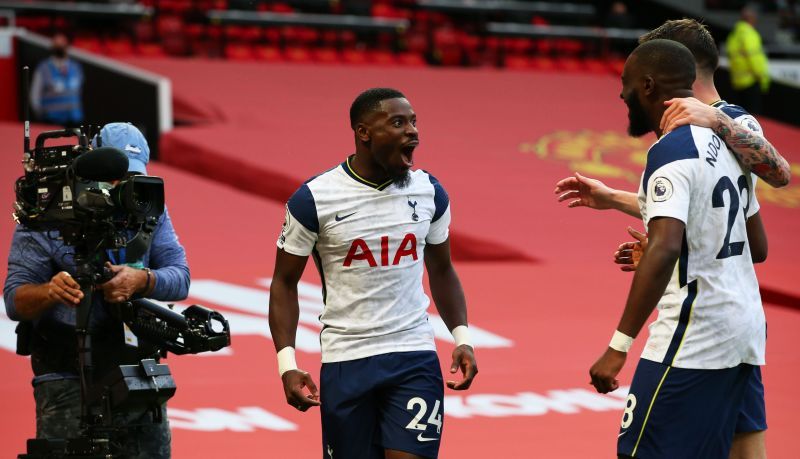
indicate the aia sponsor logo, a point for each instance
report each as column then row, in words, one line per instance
column 360, row 252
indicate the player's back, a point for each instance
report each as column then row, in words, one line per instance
column 711, row 314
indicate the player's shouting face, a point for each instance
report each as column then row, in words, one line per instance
column 391, row 133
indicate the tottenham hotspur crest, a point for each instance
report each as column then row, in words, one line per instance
column 413, row 206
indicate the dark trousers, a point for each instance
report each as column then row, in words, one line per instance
column 58, row 416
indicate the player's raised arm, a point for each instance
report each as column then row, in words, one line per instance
column 749, row 146
column 452, row 306
column 583, row 191
column 284, row 313
column 649, row 282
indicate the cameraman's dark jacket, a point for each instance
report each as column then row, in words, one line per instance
column 35, row 257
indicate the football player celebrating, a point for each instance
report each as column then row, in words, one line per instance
column 369, row 223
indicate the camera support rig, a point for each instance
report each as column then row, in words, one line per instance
column 54, row 196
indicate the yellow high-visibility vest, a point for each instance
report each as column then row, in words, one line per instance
column 747, row 58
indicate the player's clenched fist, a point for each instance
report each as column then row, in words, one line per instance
column 294, row 381
column 63, row 288
column 604, row 372
column 628, row 254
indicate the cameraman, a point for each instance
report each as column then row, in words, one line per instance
column 41, row 290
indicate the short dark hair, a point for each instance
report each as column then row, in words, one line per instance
column 692, row 34
column 670, row 62
column 369, row 100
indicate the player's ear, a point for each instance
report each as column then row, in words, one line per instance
column 649, row 85
column 362, row 132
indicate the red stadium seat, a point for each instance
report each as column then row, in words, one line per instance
column 543, row 63
column 326, row 55
column 91, row 44
column 616, row 65
column 35, row 23
column 282, row 8
column 118, row 47
column 411, row 59
column 517, row 62
column 382, row 57
column 272, row 35
column 570, row 64
column 355, row 56
column 195, row 31
column 239, row 52
column 598, row 66
column 150, row 50
column 298, row 54
column 268, row 53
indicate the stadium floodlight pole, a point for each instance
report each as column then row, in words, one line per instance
column 26, row 145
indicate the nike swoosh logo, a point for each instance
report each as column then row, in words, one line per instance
column 421, row 438
column 623, row 433
column 338, row 218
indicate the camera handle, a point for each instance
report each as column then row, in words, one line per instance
column 69, row 132
column 85, row 276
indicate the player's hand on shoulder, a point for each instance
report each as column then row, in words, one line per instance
column 688, row 110
column 294, row 383
column 464, row 359
column 583, row 191
column 604, row 372
column 628, row 254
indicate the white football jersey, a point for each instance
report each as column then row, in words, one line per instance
column 368, row 242
column 710, row 315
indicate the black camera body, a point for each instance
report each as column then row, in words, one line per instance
column 69, row 188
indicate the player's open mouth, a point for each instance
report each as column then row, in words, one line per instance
column 407, row 154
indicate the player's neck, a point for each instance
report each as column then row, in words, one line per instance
column 660, row 108
column 368, row 169
column 705, row 91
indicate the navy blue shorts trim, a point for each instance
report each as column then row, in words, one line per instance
column 388, row 401
column 682, row 413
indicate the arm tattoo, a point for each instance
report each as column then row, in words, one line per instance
column 753, row 151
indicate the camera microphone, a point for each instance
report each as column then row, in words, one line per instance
column 104, row 164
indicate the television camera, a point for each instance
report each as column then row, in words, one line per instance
column 86, row 198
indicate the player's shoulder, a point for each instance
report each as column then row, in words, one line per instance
column 677, row 145
column 740, row 115
column 425, row 178
column 303, row 202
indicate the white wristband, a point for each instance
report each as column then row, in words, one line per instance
column 461, row 335
column 286, row 360
column 620, row 342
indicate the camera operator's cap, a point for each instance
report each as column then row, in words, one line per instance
column 129, row 139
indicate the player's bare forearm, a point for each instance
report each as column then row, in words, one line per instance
column 626, row 202
column 284, row 309
column 753, row 151
column 446, row 290
column 757, row 238
column 653, row 273
column 284, row 313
